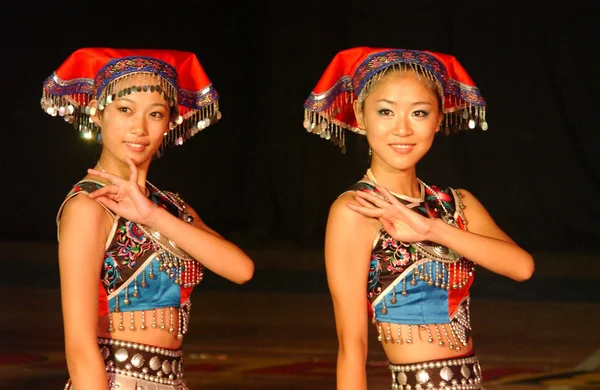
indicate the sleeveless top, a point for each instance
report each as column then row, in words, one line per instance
column 421, row 285
column 143, row 270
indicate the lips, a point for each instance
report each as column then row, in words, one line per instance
column 402, row 148
column 136, row 146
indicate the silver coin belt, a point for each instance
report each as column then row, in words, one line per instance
column 447, row 374
column 154, row 364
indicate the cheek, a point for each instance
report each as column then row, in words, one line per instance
column 158, row 129
column 427, row 129
column 378, row 125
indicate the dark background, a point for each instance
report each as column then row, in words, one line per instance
column 257, row 176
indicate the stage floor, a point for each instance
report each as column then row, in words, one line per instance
column 277, row 331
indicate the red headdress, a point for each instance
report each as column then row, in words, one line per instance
column 92, row 73
column 328, row 110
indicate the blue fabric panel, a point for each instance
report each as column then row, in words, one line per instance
column 423, row 304
column 162, row 291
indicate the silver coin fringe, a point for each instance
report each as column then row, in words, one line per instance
column 464, row 115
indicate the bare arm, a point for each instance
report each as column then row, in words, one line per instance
column 484, row 243
column 205, row 245
column 83, row 233
column 348, row 241
column 199, row 241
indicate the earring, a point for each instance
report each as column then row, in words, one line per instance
column 370, row 151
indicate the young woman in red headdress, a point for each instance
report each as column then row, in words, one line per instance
column 399, row 252
column 129, row 253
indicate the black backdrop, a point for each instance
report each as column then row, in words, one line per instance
column 257, row 176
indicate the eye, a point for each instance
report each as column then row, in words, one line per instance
column 157, row 114
column 420, row 113
column 385, row 112
column 124, row 109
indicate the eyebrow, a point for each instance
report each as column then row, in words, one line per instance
column 153, row 104
column 393, row 102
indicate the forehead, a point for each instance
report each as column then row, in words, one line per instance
column 404, row 82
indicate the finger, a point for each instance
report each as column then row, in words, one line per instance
column 388, row 226
column 389, row 196
column 371, row 197
column 364, row 202
column 105, row 191
column 111, row 204
column 367, row 211
column 401, row 207
column 108, row 176
column 133, row 176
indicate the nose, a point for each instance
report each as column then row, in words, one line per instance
column 403, row 126
column 138, row 126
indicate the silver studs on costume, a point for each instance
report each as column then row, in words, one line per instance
column 142, row 361
column 459, row 374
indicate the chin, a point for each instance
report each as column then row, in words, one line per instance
column 403, row 164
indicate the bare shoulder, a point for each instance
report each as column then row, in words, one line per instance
column 83, row 205
column 347, row 226
column 478, row 218
column 473, row 208
column 82, row 212
column 340, row 210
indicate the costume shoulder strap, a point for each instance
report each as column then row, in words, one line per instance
column 172, row 201
column 82, row 187
column 359, row 185
column 450, row 199
column 458, row 208
column 175, row 198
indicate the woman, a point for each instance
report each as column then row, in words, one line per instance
column 129, row 253
column 395, row 240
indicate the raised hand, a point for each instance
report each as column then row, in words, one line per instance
column 124, row 196
column 402, row 223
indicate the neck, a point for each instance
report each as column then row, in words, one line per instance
column 399, row 182
column 122, row 170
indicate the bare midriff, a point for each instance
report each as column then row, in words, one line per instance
column 421, row 348
column 152, row 335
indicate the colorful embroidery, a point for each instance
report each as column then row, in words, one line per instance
column 131, row 243
column 111, row 273
column 391, row 256
column 378, row 61
column 119, row 67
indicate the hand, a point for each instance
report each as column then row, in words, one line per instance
column 402, row 223
column 124, row 196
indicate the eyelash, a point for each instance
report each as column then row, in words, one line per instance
column 127, row 109
column 386, row 112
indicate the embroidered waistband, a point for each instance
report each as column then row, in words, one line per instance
column 459, row 374
column 160, row 365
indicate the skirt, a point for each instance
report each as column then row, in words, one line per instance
column 135, row 366
column 462, row 373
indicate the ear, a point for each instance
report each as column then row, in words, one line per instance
column 94, row 112
column 358, row 114
column 439, row 125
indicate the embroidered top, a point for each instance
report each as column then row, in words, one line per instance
column 143, row 270
column 421, row 283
